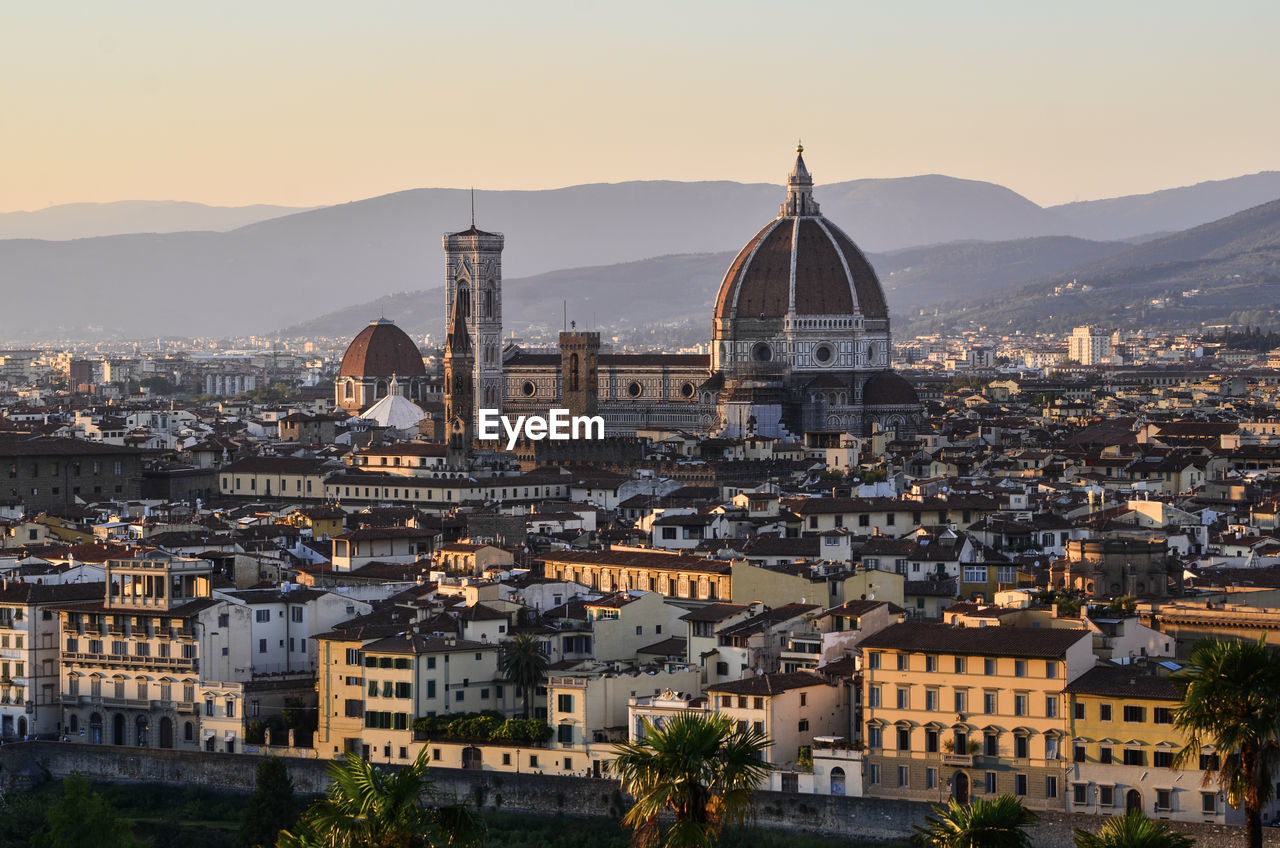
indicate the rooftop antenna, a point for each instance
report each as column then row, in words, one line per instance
column 473, row 207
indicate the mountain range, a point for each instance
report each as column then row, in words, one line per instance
column 88, row 220
column 285, row 270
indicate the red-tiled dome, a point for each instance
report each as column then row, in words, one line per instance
column 381, row 350
column 801, row 264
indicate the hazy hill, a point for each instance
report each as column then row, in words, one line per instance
column 87, row 220
column 277, row 272
column 1226, row 270
column 673, row 289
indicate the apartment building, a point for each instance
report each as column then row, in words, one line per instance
column 1122, row 747
column 963, row 712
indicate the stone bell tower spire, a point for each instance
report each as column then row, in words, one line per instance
column 800, row 200
column 459, row 388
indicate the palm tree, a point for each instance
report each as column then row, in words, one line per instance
column 1231, row 702
column 371, row 808
column 1133, row 830
column 523, row 663
column 698, row 767
column 1000, row 823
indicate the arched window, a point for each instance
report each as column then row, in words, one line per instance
column 464, row 298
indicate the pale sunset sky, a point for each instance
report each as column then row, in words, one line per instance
column 316, row 102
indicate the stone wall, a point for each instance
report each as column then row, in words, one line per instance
column 867, row 820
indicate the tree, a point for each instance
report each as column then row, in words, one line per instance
column 1133, row 830
column 1000, row 823
column 368, row 807
column 82, row 817
column 698, row 767
column 523, row 663
column 1231, row 701
column 272, row 807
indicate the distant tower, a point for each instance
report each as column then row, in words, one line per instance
column 579, row 361
column 459, row 388
column 473, row 279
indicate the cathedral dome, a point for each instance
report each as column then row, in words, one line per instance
column 889, row 389
column 382, row 350
column 800, row 264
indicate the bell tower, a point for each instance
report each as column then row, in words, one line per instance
column 473, row 284
column 579, row 384
column 459, row 389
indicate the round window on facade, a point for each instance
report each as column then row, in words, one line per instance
column 823, row 354
column 762, row 352
column 634, row 389
column 686, row 390
column 528, row 389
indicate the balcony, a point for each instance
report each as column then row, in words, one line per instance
column 965, row 760
column 131, row 661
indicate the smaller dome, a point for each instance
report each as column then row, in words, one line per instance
column 888, row 388
column 381, row 350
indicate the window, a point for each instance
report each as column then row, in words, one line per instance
column 931, row 778
column 208, row 706
column 1051, row 706
column 1106, row 796
column 1209, row 803
column 873, row 659
column 904, row 699
column 1020, row 784
column 961, row 700
column 930, row 662
column 404, row 690
column 1078, row 708
column 803, row 725
column 989, row 702
column 1104, row 754
column 224, row 620
column 1019, row 668
column 990, row 745
column 295, row 614
column 1080, row 793
column 1162, row 759
column 1134, row 757
column 874, row 736
column 1162, row 715
column 959, row 665
column 1135, row 714
column 904, row 739
column 1209, row 762
column 930, row 740
column 873, row 774
column 1051, row 787
column 902, row 662
column 1164, row 800
column 1020, row 704
column 1021, row 747
column 564, row 703
column 261, row 615
column 1051, row 669
column 975, row 574
column 873, row 697
column 931, row 700
column 262, row 646
column 1104, row 712
column 989, row 667
column 1078, row 753
column 903, row 775
column 989, row 785
column 564, row 734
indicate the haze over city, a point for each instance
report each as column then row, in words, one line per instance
column 304, row 103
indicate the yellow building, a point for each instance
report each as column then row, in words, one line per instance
column 825, row 584
column 669, row 574
column 962, row 712
column 1122, row 747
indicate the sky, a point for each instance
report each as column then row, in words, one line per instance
column 318, row 102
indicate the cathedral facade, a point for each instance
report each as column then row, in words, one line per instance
column 800, row 344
